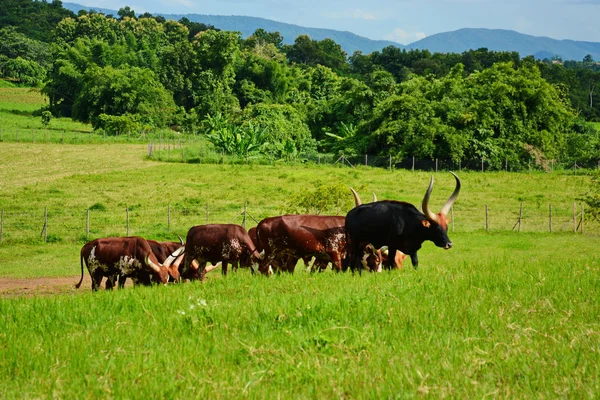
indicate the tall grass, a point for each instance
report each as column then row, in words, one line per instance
column 500, row 315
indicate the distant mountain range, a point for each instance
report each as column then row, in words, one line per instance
column 446, row 42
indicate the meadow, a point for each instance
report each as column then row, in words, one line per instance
column 502, row 314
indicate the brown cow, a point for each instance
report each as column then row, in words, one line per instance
column 128, row 256
column 287, row 238
column 286, row 263
column 162, row 251
column 225, row 243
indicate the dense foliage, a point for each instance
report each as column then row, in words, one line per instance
column 142, row 72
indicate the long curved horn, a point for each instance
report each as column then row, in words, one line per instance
column 452, row 199
column 374, row 197
column 180, row 240
column 173, row 256
column 425, row 205
column 149, row 263
column 357, row 201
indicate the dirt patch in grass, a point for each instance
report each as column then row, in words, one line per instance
column 12, row 287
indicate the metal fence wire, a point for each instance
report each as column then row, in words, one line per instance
column 77, row 225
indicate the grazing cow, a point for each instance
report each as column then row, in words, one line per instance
column 123, row 256
column 162, row 251
column 398, row 225
column 285, row 239
column 225, row 243
column 288, row 263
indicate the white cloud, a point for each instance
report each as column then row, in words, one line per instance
column 186, row 3
column 401, row 36
column 355, row 13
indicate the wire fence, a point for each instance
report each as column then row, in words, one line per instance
column 77, row 225
column 171, row 146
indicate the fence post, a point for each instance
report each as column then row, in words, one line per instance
column 87, row 225
column 1, row 224
column 582, row 218
column 413, row 164
column 487, row 225
column 452, row 217
column 168, row 151
column 520, row 217
column 390, row 162
column 244, row 217
column 506, row 164
column 436, row 165
column 575, row 217
column 246, row 156
column 366, row 160
column 182, row 154
column 482, row 165
column 45, row 224
column 169, row 218
column 550, row 210
column 127, row 213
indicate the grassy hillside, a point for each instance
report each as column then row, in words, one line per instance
column 503, row 313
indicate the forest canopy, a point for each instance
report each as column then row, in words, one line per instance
column 144, row 72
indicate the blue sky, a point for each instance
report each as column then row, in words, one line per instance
column 403, row 21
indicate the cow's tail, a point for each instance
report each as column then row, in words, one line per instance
column 81, row 280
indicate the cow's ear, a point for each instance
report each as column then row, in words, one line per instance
column 425, row 223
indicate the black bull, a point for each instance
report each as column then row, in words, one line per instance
column 397, row 225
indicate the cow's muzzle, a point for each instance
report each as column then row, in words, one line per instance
column 448, row 246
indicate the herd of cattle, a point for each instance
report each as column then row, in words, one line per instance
column 363, row 239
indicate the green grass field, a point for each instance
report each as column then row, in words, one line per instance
column 503, row 314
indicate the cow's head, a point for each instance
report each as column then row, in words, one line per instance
column 437, row 224
column 372, row 259
column 174, row 260
column 192, row 271
column 161, row 272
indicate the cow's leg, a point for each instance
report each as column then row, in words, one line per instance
column 96, row 276
column 202, row 269
column 390, row 263
column 355, row 258
column 110, row 282
column 291, row 264
column 224, row 268
column 414, row 259
column 235, row 265
column 122, row 279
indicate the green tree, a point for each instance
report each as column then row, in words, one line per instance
column 121, row 91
